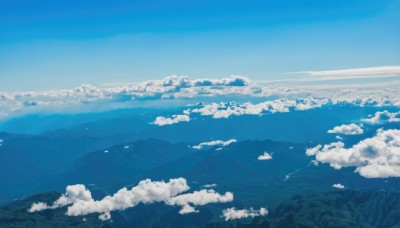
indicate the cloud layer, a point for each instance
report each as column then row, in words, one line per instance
column 376, row 157
column 233, row 213
column 278, row 98
column 80, row 200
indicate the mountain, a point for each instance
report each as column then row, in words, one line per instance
column 341, row 208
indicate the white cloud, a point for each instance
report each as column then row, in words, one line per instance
column 347, row 129
column 201, row 197
column 40, row 206
column 81, row 202
column 338, row 137
column 278, row 98
column 265, row 156
column 233, row 213
column 376, row 157
column 205, row 145
column 210, row 185
column 383, row 116
column 161, row 121
column 339, row 186
column 369, row 72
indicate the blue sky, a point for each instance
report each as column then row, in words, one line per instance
column 61, row 44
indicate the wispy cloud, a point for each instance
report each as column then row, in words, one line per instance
column 369, row 72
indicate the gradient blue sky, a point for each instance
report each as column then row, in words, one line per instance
column 64, row 43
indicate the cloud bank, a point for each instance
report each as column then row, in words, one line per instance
column 376, row 157
column 347, row 129
column 80, row 200
column 233, row 213
column 278, row 98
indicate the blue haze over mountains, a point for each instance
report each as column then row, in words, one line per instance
column 44, row 153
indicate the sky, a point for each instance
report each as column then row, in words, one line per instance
column 47, row 44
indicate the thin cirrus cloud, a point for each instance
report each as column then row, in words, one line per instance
column 375, row 157
column 368, row 72
column 80, row 202
column 233, row 213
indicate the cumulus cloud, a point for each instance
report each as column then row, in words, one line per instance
column 383, row 116
column 205, row 145
column 233, row 213
column 347, row 129
column 80, row 201
column 375, row 157
column 339, row 186
column 265, row 156
column 161, row 121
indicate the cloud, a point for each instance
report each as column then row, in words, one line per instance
column 201, row 197
column 375, row 157
column 338, row 137
column 80, row 200
column 383, row 116
column 265, row 156
column 347, row 129
column 339, row 186
column 206, row 145
column 161, row 121
column 210, row 185
column 369, row 72
column 278, row 98
column 233, row 213
column 40, row 206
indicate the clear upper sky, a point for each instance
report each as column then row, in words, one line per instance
column 64, row 43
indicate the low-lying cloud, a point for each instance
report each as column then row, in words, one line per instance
column 375, row 157
column 80, row 202
column 207, row 145
column 347, row 129
column 339, row 186
column 161, row 121
column 233, row 213
column 265, row 156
